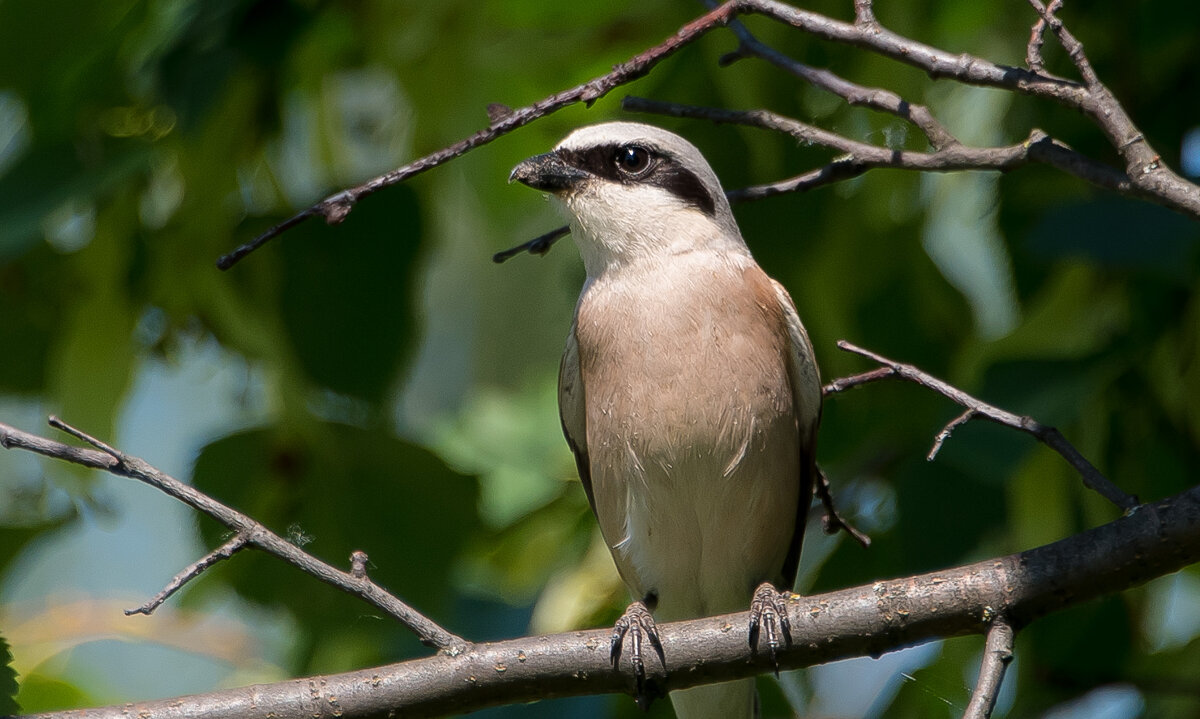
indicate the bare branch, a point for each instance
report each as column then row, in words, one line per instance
column 833, row 520
column 842, row 384
column 336, row 207
column 944, row 435
column 358, row 564
column 116, row 462
column 1037, row 37
column 864, row 14
column 1073, row 47
column 875, row 98
column 539, row 245
column 1145, row 175
column 840, row 169
column 1051, row 437
column 997, row 655
column 193, row 570
column 861, row 157
column 868, row 620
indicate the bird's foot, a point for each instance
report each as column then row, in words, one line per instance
column 768, row 614
column 636, row 624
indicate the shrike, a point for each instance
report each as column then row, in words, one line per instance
column 688, row 392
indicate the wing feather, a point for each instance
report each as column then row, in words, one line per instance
column 805, row 381
column 572, row 412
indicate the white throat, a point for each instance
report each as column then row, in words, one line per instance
column 616, row 226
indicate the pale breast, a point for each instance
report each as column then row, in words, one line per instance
column 690, row 356
column 691, row 430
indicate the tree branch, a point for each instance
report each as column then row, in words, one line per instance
column 336, row 207
column 863, row 156
column 868, row 620
column 997, row 655
column 1051, row 437
column 1145, row 176
column 878, row 99
column 833, row 520
column 193, row 570
column 251, row 532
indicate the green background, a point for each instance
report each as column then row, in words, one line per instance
column 382, row 385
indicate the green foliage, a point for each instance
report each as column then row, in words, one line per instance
column 397, row 387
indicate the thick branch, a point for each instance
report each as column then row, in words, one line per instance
column 868, row 620
column 253, row 533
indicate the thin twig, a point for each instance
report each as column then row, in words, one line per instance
column 1051, row 437
column 840, row 169
column 193, row 570
column 878, row 99
column 842, row 384
column 1037, row 38
column 257, row 535
column 944, row 435
column 358, row 564
column 997, row 655
column 539, row 245
column 58, row 424
column 864, row 14
column 1073, row 47
column 861, row 156
column 833, row 520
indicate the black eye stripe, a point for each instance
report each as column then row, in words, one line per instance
column 664, row 171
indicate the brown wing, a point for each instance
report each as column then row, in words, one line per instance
column 806, row 397
column 572, row 413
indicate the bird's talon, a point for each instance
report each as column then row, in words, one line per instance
column 636, row 624
column 768, row 618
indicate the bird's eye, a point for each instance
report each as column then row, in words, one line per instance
column 632, row 159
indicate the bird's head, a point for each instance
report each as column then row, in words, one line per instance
column 634, row 192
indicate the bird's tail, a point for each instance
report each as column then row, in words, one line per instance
column 727, row 700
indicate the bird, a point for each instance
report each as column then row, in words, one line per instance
column 688, row 392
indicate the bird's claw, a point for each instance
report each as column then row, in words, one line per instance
column 769, row 615
column 638, row 625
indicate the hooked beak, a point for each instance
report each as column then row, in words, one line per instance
column 547, row 172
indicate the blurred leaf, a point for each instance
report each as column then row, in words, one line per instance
column 1041, row 500
column 33, row 312
column 42, row 693
column 1068, row 653
column 221, row 40
column 347, row 294
column 516, row 562
column 13, row 539
column 1121, row 233
column 46, row 177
